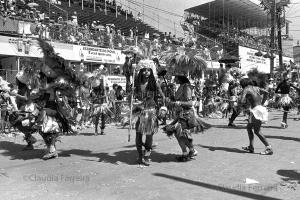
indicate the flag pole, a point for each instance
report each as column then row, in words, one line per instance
column 131, row 105
column 116, row 10
column 94, row 6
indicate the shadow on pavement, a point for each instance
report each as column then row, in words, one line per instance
column 228, row 127
column 212, row 148
column 289, row 175
column 283, row 138
column 125, row 156
column 275, row 127
column 14, row 150
column 220, row 188
column 87, row 134
column 276, row 118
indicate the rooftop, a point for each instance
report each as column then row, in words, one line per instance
column 242, row 13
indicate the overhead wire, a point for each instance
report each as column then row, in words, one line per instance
column 154, row 8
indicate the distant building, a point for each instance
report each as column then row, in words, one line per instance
column 296, row 50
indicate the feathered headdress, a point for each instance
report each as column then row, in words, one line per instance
column 147, row 64
column 185, row 61
column 55, row 66
column 236, row 72
column 259, row 77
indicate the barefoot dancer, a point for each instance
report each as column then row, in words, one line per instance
column 285, row 101
column 186, row 119
column 258, row 114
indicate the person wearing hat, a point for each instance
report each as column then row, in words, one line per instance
column 119, row 98
column 185, row 120
column 22, row 97
column 100, row 108
column 128, row 71
column 146, row 91
column 233, row 94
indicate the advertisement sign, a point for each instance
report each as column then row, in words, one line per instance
column 213, row 64
column 110, row 80
column 101, row 55
column 249, row 61
column 21, row 47
column 30, row 48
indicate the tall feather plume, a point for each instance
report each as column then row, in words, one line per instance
column 259, row 77
column 187, row 61
column 57, row 64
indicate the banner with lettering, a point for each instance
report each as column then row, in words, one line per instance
column 100, row 55
column 249, row 61
column 110, row 80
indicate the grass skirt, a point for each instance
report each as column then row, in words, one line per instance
column 147, row 122
column 98, row 109
column 285, row 101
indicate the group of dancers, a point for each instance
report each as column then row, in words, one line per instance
column 46, row 109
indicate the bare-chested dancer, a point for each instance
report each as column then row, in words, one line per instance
column 258, row 114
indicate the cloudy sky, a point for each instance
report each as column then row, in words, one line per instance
column 168, row 17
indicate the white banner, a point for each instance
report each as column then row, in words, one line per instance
column 24, row 28
column 101, row 55
column 110, row 80
column 213, row 64
column 249, row 61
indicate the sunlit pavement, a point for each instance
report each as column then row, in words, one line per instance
column 104, row 167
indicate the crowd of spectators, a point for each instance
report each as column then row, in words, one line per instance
column 102, row 5
column 228, row 33
column 70, row 31
column 19, row 10
column 94, row 33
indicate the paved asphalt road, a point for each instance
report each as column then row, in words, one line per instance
column 104, row 167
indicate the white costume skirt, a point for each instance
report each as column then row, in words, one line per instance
column 260, row 113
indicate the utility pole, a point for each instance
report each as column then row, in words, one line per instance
column 272, row 37
column 279, row 10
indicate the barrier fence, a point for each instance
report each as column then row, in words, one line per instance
column 8, row 75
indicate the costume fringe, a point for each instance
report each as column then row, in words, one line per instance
column 98, row 109
column 285, row 101
column 148, row 122
column 260, row 113
column 50, row 125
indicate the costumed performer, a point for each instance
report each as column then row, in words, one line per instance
column 285, row 100
column 146, row 91
column 258, row 115
column 100, row 108
column 22, row 97
column 185, row 120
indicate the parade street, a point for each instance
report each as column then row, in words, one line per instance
column 104, row 167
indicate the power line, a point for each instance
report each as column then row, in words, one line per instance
column 293, row 17
column 151, row 7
